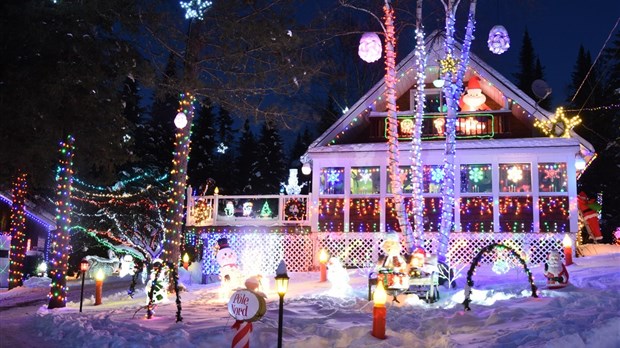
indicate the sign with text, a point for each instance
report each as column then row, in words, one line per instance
column 246, row 305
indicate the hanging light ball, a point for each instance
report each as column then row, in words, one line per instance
column 499, row 41
column 180, row 120
column 370, row 47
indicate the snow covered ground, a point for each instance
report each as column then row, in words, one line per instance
column 584, row 314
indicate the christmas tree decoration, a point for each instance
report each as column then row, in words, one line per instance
column 558, row 125
column 265, row 211
column 17, row 232
column 555, row 271
column 499, row 41
column 370, row 47
column 476, row 261
column 60, row 245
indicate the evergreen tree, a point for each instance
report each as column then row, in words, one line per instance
column 130, row 98
column 224, row 154
column 539, row 75
column 530, row 70
column 601, row 127
column 328, row 116
column 269, row 169
column 581, row 88
column 246, row 158
column 62, row 66
column 201, row 162
column 302, row 141
column 161, row 127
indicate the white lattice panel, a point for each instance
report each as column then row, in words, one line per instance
column 261, row 252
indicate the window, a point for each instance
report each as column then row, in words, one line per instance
column 552, row 177
column 332, row 181
column 477, row 214
column 365, row 180
column 516, row 214
column 554, row 214
column 476, row 178
column 331, row 215
column 405, row 177
column 515, row 177
column 364, row 214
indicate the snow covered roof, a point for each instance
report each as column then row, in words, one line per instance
column 493, row 84
column 45, row 219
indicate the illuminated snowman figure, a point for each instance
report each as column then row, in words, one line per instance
column 127, row 266
column 158, row 282
column 230, row 274
column 338, row 276
column 229, row 210
column 293, row 187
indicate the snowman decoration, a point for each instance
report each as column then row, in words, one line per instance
column 473, row 100
column 338, row 277
column 230, row 274
column 555, row 271
column 158, row 283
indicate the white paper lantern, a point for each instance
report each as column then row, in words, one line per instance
column 370, row 47
column 499, row 41
column 180, row 120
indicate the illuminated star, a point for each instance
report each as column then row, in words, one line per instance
column 551, row 174
column 333, row 177
column 448, row 64
column 558, row 125
column 437, row 175
column 222, row 148
column 195, row 8
column 365, row 177
column 515, row 174
column 476, row 174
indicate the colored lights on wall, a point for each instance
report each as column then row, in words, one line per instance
column 516, row 214
column 331, row 215
column 554, row 214
column 476, row 214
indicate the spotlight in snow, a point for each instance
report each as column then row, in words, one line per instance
column 180, row 120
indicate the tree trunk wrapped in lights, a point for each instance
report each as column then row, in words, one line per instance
column 416, row 140
column 392, row 121
column 178, row 179
column 453, row 71
column 60, row 237
column 18, row 233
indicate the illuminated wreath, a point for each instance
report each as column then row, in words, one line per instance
column 202, row 211
column 294, row 210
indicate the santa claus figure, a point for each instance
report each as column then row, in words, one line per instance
column 589, row 209
column 393, row 272
column 230, row 275
column 416, row 265
column 473, row 100
column 555, row 271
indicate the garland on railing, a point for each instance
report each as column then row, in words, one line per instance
column 476, row 261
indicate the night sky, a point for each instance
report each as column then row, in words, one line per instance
column 557, row 28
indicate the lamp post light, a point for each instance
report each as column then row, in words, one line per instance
column 323, row 264
column 98, row 287
column 379, row 312
column 281, row 288
column 84, row 266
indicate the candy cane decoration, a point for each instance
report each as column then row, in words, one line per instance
column 242, row 336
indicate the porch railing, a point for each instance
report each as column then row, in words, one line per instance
column 250, row 210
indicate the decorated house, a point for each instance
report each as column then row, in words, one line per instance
column 38, row 224
column 517, row 185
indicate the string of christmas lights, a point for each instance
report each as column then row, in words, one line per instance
column 119, row 184
column 417, row 171
column 18, row 232
column 60, row 245
column 178, row 178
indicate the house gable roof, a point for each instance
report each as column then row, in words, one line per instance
column 519, row 102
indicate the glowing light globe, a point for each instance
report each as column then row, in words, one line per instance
column 180, row 120
column 499, row 41
column 370, row 47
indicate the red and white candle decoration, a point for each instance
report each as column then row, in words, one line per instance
column 245, row 306
column 323, row 258
column 567, row 243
